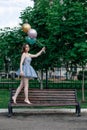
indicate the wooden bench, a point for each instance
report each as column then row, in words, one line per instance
column 46, row 98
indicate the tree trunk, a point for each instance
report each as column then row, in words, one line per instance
column 83, row 98
column 41, row 83
column 46, row 78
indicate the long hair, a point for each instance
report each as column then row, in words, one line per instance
column 23, row 48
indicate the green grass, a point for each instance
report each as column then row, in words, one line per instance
column 79, row 96
column 4, row 98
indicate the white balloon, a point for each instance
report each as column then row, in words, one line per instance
column 32, row 33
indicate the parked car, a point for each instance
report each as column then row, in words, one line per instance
column 12, row 74
column 3, row 74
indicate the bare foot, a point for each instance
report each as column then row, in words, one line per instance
column 27, row 101
column 14, row 100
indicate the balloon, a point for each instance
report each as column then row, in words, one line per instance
column 30, row 40
column 32, row 33
column 26, row 27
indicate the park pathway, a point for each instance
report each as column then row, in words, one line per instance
column 39, row 121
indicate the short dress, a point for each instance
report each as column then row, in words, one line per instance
column 27, row 69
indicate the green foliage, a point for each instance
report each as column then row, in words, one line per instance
column 10, row 44
column 61, row 27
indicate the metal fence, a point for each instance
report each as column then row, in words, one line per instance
column 56, row 78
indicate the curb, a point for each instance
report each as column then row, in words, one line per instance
column 44, row 110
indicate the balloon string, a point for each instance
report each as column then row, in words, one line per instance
column 39, row 43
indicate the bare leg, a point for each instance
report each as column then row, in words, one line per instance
column 26, row 90
column 18, row 90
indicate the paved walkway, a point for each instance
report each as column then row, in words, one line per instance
column 61, row 119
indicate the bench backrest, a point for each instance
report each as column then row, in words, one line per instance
column 49, row 96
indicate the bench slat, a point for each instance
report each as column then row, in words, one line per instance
column 47, row 91
column 45, row 104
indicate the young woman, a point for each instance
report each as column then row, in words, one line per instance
column 26, row 71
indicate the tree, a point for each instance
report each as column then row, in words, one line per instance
column 61, row 27
column 11, row 41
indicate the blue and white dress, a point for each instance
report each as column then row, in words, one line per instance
column 28, row 70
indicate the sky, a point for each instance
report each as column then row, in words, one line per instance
column 10, row 12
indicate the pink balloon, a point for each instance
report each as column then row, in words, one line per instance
column 32, row 33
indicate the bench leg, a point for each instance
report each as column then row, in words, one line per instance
column 78, row 111
column 10, row 112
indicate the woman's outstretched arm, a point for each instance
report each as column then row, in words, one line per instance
column 38, row 54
